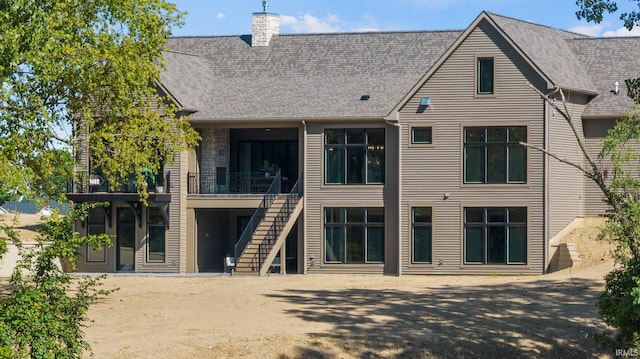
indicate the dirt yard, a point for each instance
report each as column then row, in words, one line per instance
column 355, row 316
column 351, row 316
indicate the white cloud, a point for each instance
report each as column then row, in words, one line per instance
column 599, row 30
column 307, row 23
column 220, row 16
column 622, row 32
column 589, row 30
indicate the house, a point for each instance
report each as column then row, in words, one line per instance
column 395, row 152
column 21, row 206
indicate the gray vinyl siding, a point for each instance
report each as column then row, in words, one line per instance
column 173, row 234
column 428, row 172
column 566, row 183
column 109, row 265
column 594, row 132
column 319, row 196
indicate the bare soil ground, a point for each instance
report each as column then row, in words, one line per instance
column 350, row 316
column 25, row 225
column 356, row 316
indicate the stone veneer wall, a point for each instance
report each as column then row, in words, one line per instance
column 214, row 152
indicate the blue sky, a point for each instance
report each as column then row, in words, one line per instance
column 233, row 17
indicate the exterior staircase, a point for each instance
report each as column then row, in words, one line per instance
column 266, row 232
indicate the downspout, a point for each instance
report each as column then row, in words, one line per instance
column 545, row 188
column 396, row 124
column 304, row 197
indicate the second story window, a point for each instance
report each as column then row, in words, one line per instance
column 354, row 156
column 485, row 75
column 495, row 155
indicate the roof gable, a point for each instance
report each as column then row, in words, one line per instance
column 549, row 50
column 545, row 49
column 324, row 76
column 300, row 76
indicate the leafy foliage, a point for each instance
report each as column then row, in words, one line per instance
column 4, row 197
column 88, row 68
column 44, row 314
column 91, row 67
column 594, row 10
column 619, row 304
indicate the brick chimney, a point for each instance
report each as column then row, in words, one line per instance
column 265, row 25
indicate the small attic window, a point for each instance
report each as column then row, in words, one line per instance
column 364, row 97
column 485, row 75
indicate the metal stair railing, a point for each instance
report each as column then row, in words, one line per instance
column 257, row 217
column 280, row 221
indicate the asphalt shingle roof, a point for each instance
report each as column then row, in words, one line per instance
column 609, row 60
column 548, row 48
column 323, row 76
column 300, row 76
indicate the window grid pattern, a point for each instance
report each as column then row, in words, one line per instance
column 155, row 236
column 421, row 235
column 354, row 235
column 495, row 235
column 95, row 226
column 494, row 154
column 354, row 156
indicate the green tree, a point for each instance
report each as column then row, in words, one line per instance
column 4, row 197
column 88, row 68
column 619, row 303
column 615, row 173
column 91, row 67
column 52, row 171
column 594, row 10
column 44, row 314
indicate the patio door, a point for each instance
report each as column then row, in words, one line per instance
column 125, row 240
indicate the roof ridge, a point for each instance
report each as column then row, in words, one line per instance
column 581, row 36
column 608, row 38
column 181, row 53
column 389, row 32
column 337, row 33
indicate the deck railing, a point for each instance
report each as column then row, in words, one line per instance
column 279, row 222
column 222, row 182
column 258, row 215
column 93, row 183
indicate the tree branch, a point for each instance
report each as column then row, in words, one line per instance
column 567, row 117
column 572, row 164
